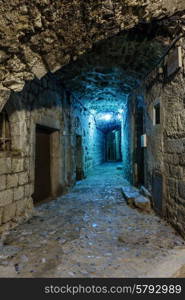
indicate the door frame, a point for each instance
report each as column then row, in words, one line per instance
column 55, row 154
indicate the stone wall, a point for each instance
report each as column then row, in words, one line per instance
column 127, row 144
column 45, row 103
column 164, row 155
column 41, row 36
column 93, row 138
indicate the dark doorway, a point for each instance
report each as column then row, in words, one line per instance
column 113, row 142
column 42, row 164
column 79, row 158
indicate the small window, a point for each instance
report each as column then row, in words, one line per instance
column 5, row 138
column 156, row 114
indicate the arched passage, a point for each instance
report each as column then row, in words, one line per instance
column 116, row 69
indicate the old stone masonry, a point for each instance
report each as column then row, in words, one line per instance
column 92, row 138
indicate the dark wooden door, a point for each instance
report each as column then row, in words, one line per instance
column 42, row 165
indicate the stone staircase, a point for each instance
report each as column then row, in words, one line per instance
column 137, row 198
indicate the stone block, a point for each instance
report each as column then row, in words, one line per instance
column 39, row 70
column 4, row 95
column 9, row 212
column 5, row 165
column 6, row 197
column 21, row 206
column 17, row 165
column 18, row 193
column 1, row 215
column 172, row 187
column 23, row 178
column 176, row 172
column 12, row 180
column 182, row 159
column 28, row 190
column 142, row 203
column 22, row 128
column 29, row 204
column 130, row 194
column 182, row 189
column 2, row 182
column 5, row 227
column 145, row 192
column 175, row 146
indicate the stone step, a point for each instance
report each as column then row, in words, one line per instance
column 142, row 203
column 134, row 198
column 130, row 194
column 145, row 192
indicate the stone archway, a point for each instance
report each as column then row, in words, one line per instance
column 38, row 37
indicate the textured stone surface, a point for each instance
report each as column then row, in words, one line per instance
column 107, row 48
column 2, row 182
column 5, row 165
column 130, row 194
column 12, row 181
column 6, row 197
column 91, row 232
column 142, row 203
column 41, row 37
column 18, row 193
column 165, row 142
column 9, row 212
column 46, row 103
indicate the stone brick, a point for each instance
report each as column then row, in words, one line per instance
column 12, row 181
column 21, row 207
column 1, row 215
column 182, row 159
column 28, row 190
column 5, row 165
column 6, row 197
column 5, row 227
column 176, row 172
column 18, row 193
column 182, row 189
column 29, row 204
column 2, row 182
column 17, row 165
column 172, row 187
column 175, row 146
column 23, row 178
column 9, row 212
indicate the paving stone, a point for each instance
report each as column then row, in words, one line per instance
column 112, row 240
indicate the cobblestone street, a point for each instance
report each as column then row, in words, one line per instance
column 92, row 232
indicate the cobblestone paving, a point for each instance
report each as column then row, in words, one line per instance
column 90, row 232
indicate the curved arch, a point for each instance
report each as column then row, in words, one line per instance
column 45, row 35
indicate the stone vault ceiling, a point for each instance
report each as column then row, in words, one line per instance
column 41, row 36
column 105, row 75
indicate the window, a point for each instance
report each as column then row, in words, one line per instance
column 156, row 114
column 5, row 138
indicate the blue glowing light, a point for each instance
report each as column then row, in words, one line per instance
column 107, row 117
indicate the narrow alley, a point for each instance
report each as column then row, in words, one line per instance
column 92, row 139
column 92, row 232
